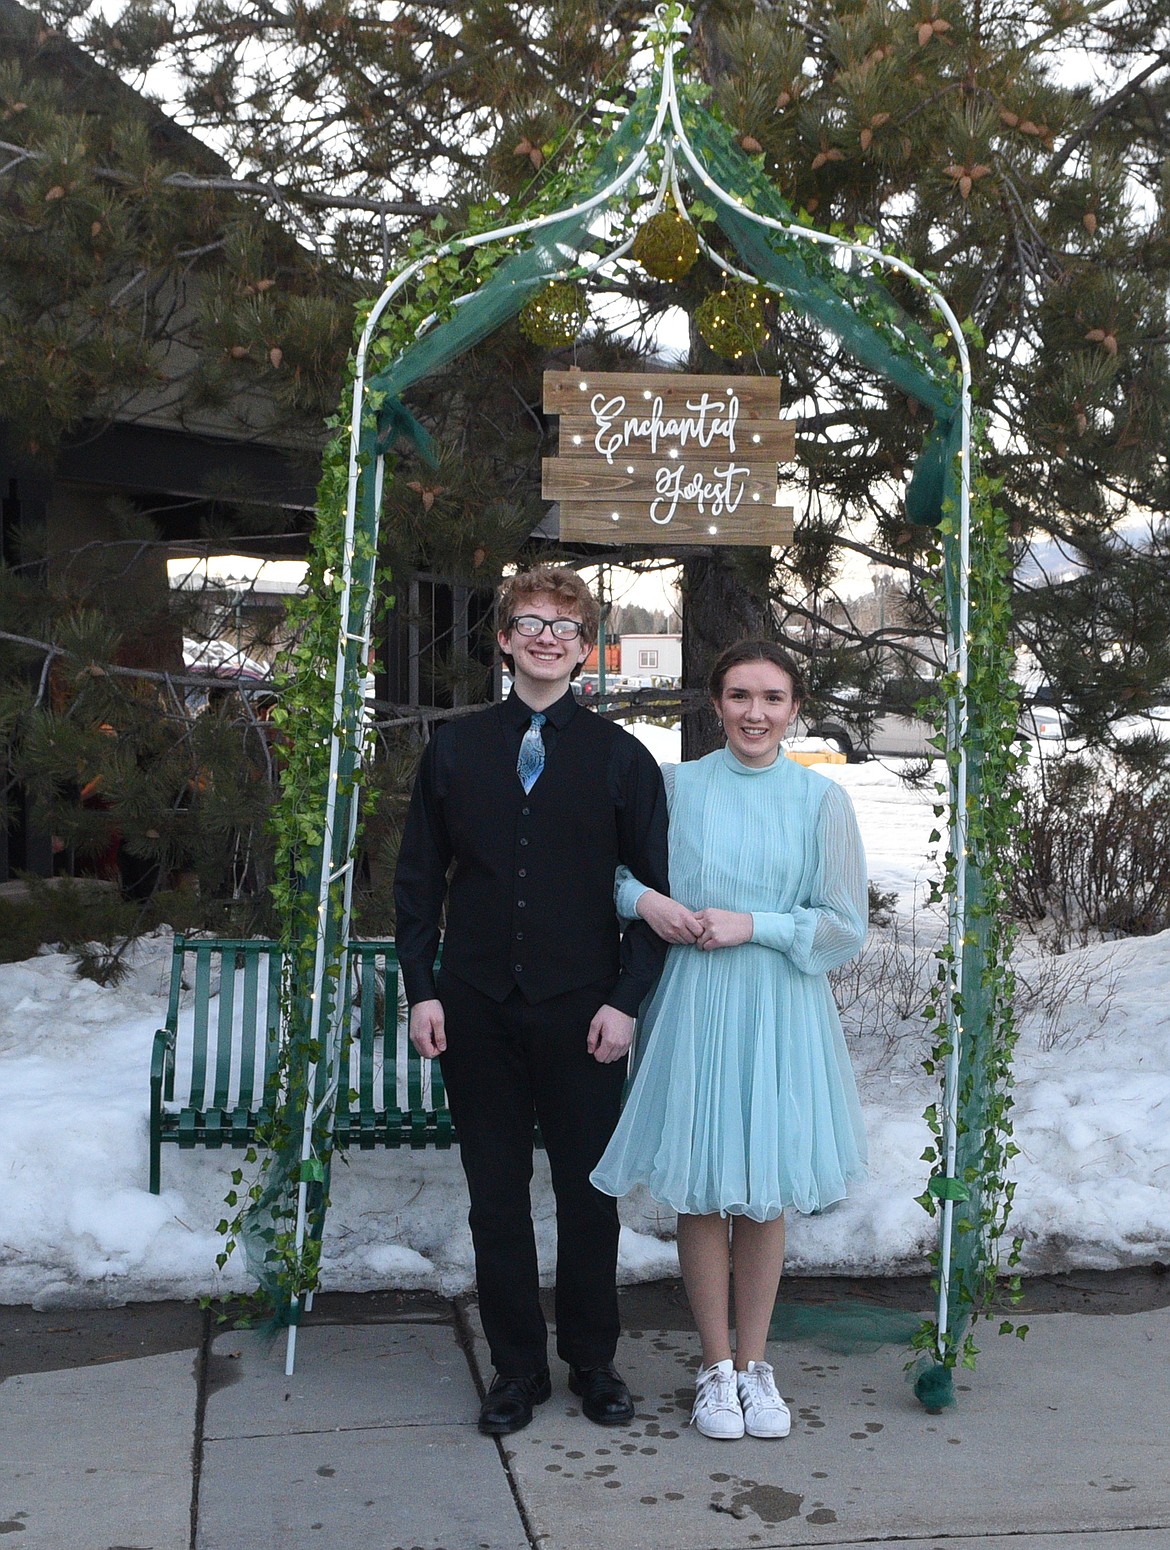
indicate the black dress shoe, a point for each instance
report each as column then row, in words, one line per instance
column 509, row 1402
column 605, row 1398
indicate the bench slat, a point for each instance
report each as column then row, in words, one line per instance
column 247, row 1097
column 389, row 1037
column 368, row 965
column 223, row 1032
column 272, row 1025
column 202, row 1010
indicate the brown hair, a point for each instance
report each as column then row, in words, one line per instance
column 756, row 651
column 560, row 583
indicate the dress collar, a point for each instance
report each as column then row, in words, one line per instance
column 739, row 768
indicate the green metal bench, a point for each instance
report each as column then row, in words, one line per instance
column 219, row 1045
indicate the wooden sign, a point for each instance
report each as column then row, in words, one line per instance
column 668, row 459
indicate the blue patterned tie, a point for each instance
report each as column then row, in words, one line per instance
column 531, row 760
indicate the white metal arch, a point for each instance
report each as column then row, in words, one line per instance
column 668, row 31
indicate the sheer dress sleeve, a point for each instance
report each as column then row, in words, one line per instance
column 627, row 890
column 832, row 927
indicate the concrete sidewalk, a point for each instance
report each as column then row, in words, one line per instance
column 146, row 1429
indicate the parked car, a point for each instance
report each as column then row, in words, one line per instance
column 908, row 737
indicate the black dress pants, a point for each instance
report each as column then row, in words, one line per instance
column 506, row 1064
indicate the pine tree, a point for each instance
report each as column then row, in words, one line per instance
column 970, row 135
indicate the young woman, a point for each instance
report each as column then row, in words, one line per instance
column 743, row 1100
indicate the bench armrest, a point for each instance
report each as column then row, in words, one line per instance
column 162, row 1079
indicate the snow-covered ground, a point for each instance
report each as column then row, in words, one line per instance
column 1092, row 1121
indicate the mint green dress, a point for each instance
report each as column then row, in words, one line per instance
column 743, row 1099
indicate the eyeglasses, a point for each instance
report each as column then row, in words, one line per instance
column 533, row 625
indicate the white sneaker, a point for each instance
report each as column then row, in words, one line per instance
column 717, row 1412
column 764, row 1413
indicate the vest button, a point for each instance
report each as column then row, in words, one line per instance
column 525, row 811
column 524, row 842
column 519, row 904
column 519, row 936
column 518, row 968
column 522, row 872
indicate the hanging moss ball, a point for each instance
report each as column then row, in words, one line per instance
column 666, row 245
column 732, row 320
column 556, row 316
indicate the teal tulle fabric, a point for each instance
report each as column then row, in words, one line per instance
column 743, row 1099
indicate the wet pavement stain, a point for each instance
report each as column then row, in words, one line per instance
column 223, row 1371
column 821, row 1515
column 770, row 1503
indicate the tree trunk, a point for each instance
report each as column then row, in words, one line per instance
column 720, row 606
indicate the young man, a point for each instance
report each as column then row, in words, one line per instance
column 535, row 801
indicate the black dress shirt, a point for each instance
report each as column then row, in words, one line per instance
column 530, row 897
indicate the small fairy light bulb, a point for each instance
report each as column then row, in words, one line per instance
column 576, row 441
column 755, row 495
column 615, row 516
column 583, row 385
column 756, row 437
column 712, row 528
column 629, row 468
column 646, row 393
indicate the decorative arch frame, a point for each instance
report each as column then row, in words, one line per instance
column 940, row 493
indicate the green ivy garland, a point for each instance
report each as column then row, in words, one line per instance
column 306, row 706
column 982, row 1192
column 304, row 686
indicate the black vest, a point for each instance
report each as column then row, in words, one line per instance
column 530, row 901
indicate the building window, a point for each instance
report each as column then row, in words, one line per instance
column 647, row 659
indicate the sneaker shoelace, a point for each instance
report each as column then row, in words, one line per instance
column 717, row 1391
column 760, row 1387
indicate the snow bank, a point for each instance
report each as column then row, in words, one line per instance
column 77, row 1224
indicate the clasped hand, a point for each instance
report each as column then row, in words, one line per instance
column 706, row 928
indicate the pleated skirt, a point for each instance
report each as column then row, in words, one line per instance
column 743, row 1099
